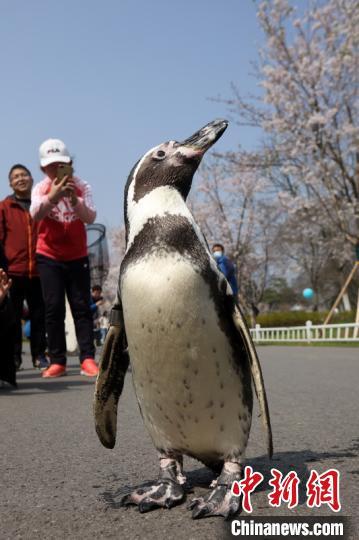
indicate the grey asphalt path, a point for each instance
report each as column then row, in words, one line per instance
column 58, row 482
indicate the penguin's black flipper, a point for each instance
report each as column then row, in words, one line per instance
column 109, row 384
column 257, row 376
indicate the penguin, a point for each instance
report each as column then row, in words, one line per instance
column 176, row 319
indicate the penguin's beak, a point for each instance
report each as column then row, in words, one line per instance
column 203, row 139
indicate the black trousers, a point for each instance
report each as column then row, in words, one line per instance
column 72, row 278
column 7, row 338
column 24, row 288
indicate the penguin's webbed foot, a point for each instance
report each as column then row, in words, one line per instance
column 163, row 494
column 166, row 492
column 220, row 501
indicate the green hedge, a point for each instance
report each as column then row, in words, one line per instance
column 299, row 318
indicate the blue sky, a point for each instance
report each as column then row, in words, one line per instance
column 114, row 78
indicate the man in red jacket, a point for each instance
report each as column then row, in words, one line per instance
column 18, row 236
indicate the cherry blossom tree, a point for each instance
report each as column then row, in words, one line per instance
column 233, row 209
column 293, row 202
column 308, row 114
column 117, row 251
column 310, row 247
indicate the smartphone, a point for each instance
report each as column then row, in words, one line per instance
column 64, row 170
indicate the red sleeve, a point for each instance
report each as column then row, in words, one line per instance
column 2, row 224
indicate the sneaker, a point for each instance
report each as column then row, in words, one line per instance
column 54, row 370
column 43, row 362
column 6, row 385
column 18, row 363
column 89, row 367
column 36, row 363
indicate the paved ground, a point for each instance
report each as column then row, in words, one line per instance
column 57, row 481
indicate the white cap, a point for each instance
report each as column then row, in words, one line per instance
column 53, row 151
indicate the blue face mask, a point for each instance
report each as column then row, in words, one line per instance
column 217, row 254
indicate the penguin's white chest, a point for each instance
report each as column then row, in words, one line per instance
column 190, row 393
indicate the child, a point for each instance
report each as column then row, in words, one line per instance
column 62, row 207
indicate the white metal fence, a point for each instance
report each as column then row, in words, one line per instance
column 307, row 333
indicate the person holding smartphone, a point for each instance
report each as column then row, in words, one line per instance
column 62, row 203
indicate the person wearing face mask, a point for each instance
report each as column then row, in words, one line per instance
column 225, row 266
column 18, row 236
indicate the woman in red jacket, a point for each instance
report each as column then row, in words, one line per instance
column 18, row 236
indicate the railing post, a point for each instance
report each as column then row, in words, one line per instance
column 309, row 324
column 258, row 334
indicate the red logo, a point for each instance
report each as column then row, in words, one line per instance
column 324, row 489
column 284, row 489
column 321, row 489
column 246, row 486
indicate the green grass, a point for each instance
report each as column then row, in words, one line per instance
column 354, row 344
column 299, row 318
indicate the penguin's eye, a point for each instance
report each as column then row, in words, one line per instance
column 160, row 154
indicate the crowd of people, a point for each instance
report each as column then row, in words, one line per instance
column 43, row 257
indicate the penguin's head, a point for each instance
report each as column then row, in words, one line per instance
column 173, row 163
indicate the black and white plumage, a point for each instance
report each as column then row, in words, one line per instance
column 191, row 353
